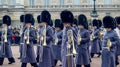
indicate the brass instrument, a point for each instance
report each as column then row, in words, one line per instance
column 20, row 32
column 44, row 37
column 100, row 34
column 25, row 41
column 5, row 34
column 92, row 37
column 56, row 38
column 26, row 36
column 71, row 40
column 79, row 38
column 39, row 42
column 4, row 38
column 28, row 41
column 109, row 44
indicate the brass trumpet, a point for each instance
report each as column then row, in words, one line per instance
column 56, row 38
column 79, row 38
column 44, row 37
column 100, row 34
column 109, row 44
column 26, row 36
column 92, row 37
column 71, row 40
column 4, row 38
column 5, row 34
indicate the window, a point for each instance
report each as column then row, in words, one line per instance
column 46, row 2
column 31, row 2
column 107, row 2
column 76, row 2
column 61, row 2
column 1, row 1
column 91, row 2
column 12, row 2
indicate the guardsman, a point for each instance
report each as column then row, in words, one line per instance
column 57, row 40
column 5, row 41
column 21, row 30
column 75, row 24
column 38, row 46
column 45, row 39
column 95, row 47
column 118, row 33
column 100, row 36
column 69, row 39
column 52, row 54
column 83, row 42
column 27, row 37
column 109, row 42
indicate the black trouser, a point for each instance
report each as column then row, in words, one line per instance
column 84, row 65
column 116, row 60
column 37, row 58
column 11, row 60
column 32, row 64
column 56, row 62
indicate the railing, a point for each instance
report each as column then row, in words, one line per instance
column 59, row 6
column 73, row 6
column 11, row 6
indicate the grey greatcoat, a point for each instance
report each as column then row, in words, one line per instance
column 57, row 47
column 64, row 46
column 46, row 53
column 82, row 49
column 95, row 47
column 7, row 48
column 108, row 56
column 28, row 54
column 118, row 44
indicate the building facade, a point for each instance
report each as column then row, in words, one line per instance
column 15, row 8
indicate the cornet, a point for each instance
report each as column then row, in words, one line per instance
column 109, row 44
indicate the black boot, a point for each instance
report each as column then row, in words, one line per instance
column 99, row 54
column 87, row 65
column 1, row 61
column 34, row 64
column 23, row 64
column 92, row 55
column 78, row 65
column 11, row 60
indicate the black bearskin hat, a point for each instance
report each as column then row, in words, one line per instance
column 45, row 16
column 6, row 20
column 82, row 20
column 109, row 22
column 67, row 16
column 22, row 18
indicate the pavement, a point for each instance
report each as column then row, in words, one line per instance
column 96, row 62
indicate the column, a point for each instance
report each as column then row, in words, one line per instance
column 76, row 2
column 84, row 2
column 69, row 2
column 54, row 2
column 5, row 2
column 100, row 2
